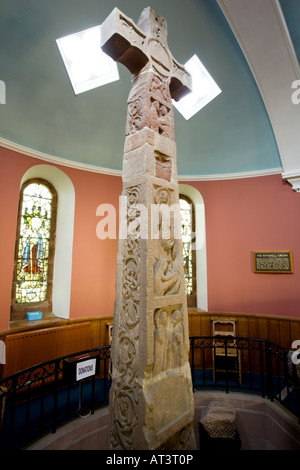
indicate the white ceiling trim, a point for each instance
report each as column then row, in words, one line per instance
column 106, row 171
column 262, row 33
column 57, row 160
column 231, row 176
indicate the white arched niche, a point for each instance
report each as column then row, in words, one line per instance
column 201, row 265
column 64, row 234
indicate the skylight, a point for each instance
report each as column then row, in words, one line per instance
column 87, row 66
column 204, row 89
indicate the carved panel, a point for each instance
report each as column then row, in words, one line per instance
column 163, row 166
column 182, row 440
column 150, row 105
column 125, row 385
column 162, row 118
column 159, row 89
column 166, row 273
column 135, row 117
column 124, row 418
column 135, row 37
column 169, row 351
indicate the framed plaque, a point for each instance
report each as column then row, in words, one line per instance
column 273, row 262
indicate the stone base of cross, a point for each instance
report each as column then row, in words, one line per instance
column 151, row 397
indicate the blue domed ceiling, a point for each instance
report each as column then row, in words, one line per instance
column 231, row 134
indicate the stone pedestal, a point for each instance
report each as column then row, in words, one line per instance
column 218, row 428
column 219, row 420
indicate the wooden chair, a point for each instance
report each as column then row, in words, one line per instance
column 226, row 356
column 109, row 327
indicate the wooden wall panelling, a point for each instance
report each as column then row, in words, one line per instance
column 105, row 330
column 253, row 360
column 285, row 334
column 274, row 335
column 207, row 331
column 75, row 338
column 206, row 326
column 243, row 332
column 103, row 341
column 281, row 331
column 194, row 324
column 190, row 324
column 95, row 335
column 29, row 348
column 274, row 329
column 200, row 325
column 42, row 342
column 100, row 331
column 263, row 328
column 294, row 331
column 252, row 327
column 194, row 320
column 242, row 327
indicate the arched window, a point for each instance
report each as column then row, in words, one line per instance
column 34, row 252
column 187, row 216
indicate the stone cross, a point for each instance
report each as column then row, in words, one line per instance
column 151, row 396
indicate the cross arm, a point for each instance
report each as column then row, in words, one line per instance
column 181, row 82
column 123, row 41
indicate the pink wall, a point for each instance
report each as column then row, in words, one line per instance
column 242, row 216
column 12, row 169
column 94, row 260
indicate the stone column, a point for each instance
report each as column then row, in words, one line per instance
column 151, row 397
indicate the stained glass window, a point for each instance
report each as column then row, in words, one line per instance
column 34, row 243
column 187, row 231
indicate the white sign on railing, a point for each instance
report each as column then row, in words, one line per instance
column 85, row 369
column 2, row 352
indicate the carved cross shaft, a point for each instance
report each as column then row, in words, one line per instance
column 144, row 46
column 150, row 334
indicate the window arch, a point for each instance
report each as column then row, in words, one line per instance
column 200, row 243
column 187, row 215
column 34, row 252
